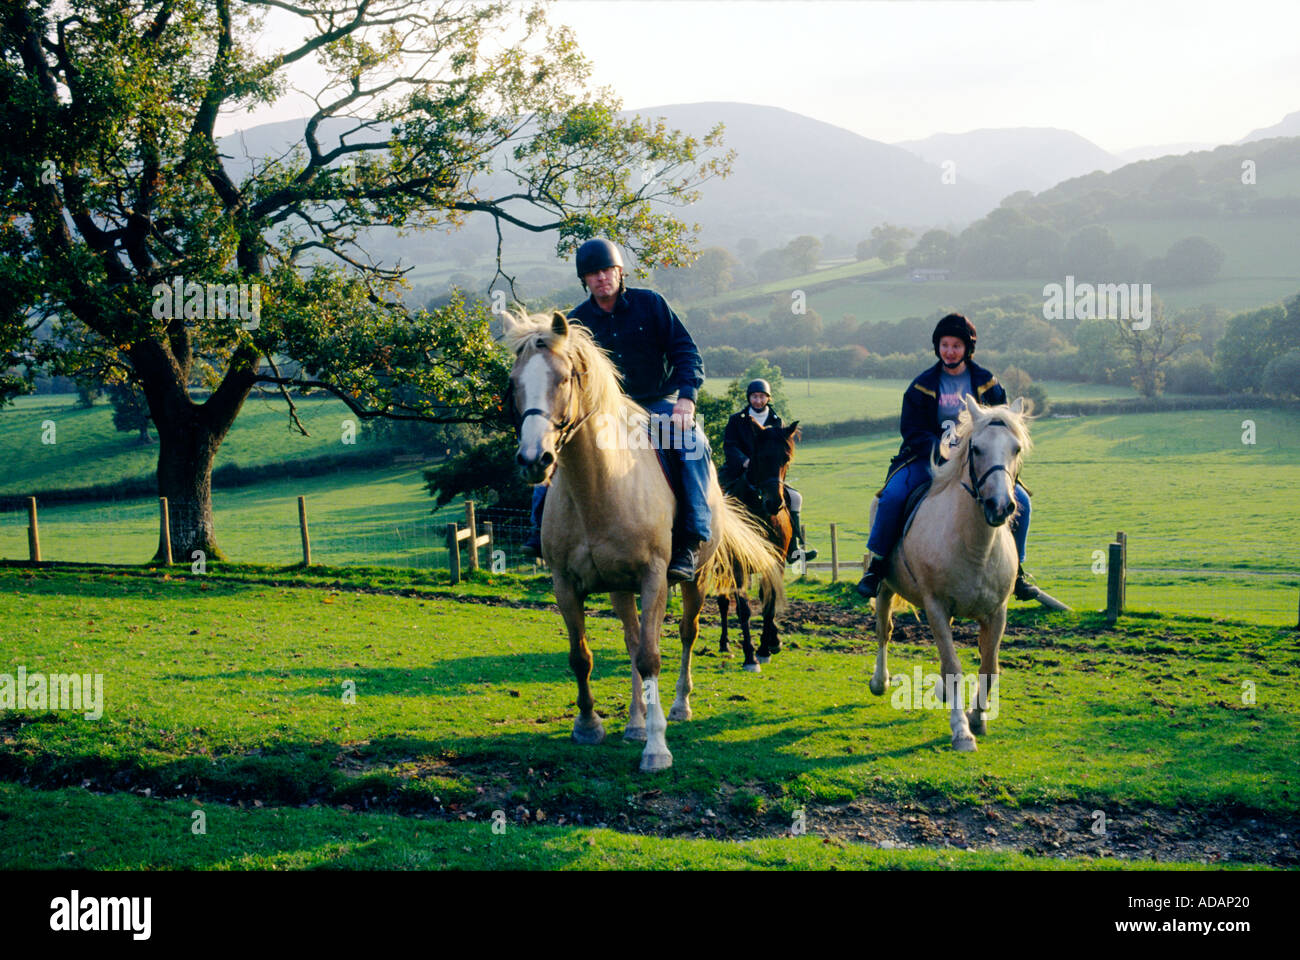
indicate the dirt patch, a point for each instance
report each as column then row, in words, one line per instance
column 1065, row 830
column 1059, row 831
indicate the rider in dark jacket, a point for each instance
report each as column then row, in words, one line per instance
column 662, row 371
column 930, row 407
column 738, row 447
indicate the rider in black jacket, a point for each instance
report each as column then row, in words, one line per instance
column 738, row 446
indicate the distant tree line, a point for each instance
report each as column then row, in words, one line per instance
column 1202, row 350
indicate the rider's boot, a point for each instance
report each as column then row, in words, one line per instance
column 1025, row 588
column 798, row 540
column 877, row 570
column 681, row 567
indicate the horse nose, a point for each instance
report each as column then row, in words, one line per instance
column 545, row 460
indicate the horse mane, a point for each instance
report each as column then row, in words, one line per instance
column 953, row 470
column 601, row 383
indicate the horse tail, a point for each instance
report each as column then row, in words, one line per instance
column 742, row 545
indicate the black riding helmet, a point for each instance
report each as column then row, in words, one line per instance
column 758, row 386
column 955, row 325
column 597, row 254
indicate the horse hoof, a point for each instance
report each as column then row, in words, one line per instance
column 764, row 659
column 636, row 734
column 589, row 734
column 652, row 762
column 964, row 744
column 679, row 713
column 977, row 725
column 878, row 688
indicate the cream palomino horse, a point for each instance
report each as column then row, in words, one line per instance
column 608, row 520
column 958, row 558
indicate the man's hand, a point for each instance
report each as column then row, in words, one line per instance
column 684, row 411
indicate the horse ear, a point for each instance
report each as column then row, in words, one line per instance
column 508, row 322
column 559, row 324
column 972, row 405
column 792, row 428
column 1017, row 405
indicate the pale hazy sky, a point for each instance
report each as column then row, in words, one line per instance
column 1123, row 73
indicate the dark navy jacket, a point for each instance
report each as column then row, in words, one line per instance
column 919, row 422
column 738, row 443
column 647, row 343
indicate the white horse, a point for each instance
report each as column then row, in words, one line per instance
column 958, row 558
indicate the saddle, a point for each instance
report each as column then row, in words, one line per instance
column 913, row 502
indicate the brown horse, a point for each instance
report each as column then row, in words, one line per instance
column 761, row 488
column 607, row 525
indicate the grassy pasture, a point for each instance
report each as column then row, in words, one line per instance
column 230, row 692
column 1211, row 522
column 87, row 450
column 894, row 300
column 834, row 399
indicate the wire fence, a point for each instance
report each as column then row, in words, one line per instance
column 382, row 535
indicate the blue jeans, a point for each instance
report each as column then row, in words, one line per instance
column 694, row 519
column 888, row 526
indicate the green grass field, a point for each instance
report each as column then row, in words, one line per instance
column 834, row 399
column 894, row 300
column 1211, row 522
column 378, row 516
column 87, row 450
column 227, row 696
column 809, row 281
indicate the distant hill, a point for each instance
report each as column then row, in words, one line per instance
column 1205, row 183
column 1154, row 150
column 792, row 175
column 1289, row 126
column 1013, row 159
column 795, row 175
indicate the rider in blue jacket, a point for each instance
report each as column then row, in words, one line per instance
column 931, row 405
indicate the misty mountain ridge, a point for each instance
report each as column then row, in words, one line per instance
column 1011, row 159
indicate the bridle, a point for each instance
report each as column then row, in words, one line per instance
column 973, row 488
column 566, row 427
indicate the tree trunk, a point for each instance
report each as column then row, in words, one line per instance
column 189, row 435
column 185, row 455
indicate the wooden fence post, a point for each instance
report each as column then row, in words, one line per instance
column 473, row 534
column 491, row 548
column 1114, row 582
column 453, row 553
column 164, row 531
column 1122, row 539
column 302, row 526
column 33, row 532
column 835, row 553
